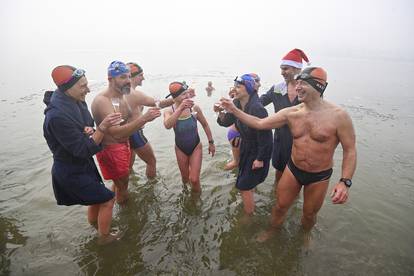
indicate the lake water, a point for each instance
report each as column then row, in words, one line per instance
column 167, row 231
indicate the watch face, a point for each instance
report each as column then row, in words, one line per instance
column 347, row 182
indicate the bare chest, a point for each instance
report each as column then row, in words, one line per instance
column 319, row 128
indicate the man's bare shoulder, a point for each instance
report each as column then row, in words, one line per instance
column 135, row 93
column 101, row 104
column 101, row 97
column 296, row 108
column 337, row 112
column 138, row 97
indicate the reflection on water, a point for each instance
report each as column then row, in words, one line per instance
column 169, row 230
column 10, row 240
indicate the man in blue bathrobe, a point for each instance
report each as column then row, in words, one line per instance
column 68, row 130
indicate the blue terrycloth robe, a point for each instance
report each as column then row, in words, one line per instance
column 75, row 178
column 255, row 144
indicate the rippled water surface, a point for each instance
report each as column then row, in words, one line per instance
column 169, row 231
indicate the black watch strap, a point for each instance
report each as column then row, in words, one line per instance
column 346, row 181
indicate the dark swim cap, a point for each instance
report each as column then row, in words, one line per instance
column 177, row 88
column 316, row 77
column 65, row 76
column 248, row 81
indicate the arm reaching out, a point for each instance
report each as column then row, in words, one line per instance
column 273, row 121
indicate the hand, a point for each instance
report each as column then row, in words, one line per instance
column 228, row 104
column 186, row 103
column 339, row 193
column 257, row 164
column 211, row 149
column 111, row 119
column 191, row 92
column 232, row 92
column 151, row 114
column 217, row 107
column 88, row 130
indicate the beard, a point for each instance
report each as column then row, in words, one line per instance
column 125, row 89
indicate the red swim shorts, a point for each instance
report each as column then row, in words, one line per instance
column 114, row 161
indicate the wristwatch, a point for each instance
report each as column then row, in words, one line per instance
column 347, row 181
column 211, row 142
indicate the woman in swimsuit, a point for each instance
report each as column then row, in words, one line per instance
column 183, row 117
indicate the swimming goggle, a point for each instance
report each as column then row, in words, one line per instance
column 177, row 93
column 78, row 73
column 239, row 80
column 313, row 81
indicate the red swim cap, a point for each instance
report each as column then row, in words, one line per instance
column 65, row 76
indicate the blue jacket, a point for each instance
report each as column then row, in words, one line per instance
column 75, row 178
column 255, row 145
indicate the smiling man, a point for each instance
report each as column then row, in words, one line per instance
column 115, row 157
column 68, row 130
column 281, row 96
column 317, row 127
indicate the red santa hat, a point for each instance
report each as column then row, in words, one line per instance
column 294, row 58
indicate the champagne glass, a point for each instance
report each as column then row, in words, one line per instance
column 218, row 105
column 115, row 104
column 157, row 102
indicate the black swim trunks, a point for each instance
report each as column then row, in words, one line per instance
column 306, row 178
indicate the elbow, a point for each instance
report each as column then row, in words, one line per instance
column 167, row 126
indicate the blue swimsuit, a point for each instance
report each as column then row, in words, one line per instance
column 186, row 134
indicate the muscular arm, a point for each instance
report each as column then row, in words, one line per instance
column 275, row 120
column 346, row 135
column 166, row 102
column 140, row 98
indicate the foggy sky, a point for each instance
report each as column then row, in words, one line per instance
column 162, row 34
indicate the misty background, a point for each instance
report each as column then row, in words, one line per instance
column 193, row 36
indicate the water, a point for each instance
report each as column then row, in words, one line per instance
column 168, row 231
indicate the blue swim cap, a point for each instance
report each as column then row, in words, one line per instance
column 248, row 82
column 117, row 68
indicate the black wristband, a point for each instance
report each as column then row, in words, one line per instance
column 211, row 142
